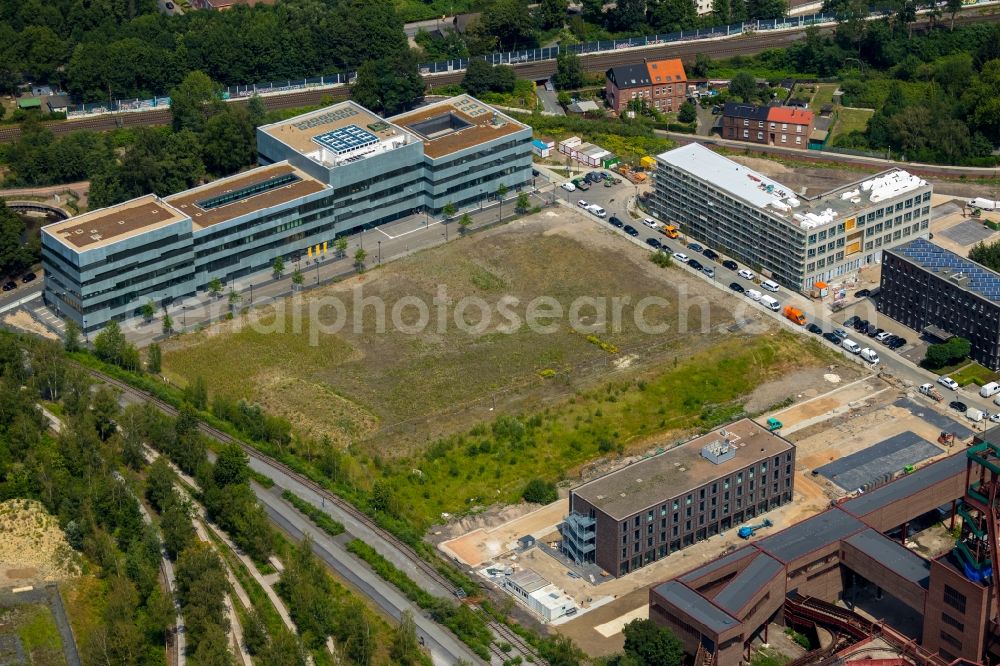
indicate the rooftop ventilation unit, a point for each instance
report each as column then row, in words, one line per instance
column 718, row 451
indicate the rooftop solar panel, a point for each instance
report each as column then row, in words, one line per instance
column 346, row 139
column 325, row 118
column 976, row 277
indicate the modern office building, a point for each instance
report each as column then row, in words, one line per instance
column 944, row 608
column 932, row 290
column 641, row 513
column 325, row 174
column 793, row 239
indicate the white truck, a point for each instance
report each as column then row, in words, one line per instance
column 974, row 415
column 870, row 355
column 984, row 204
column 931, row 392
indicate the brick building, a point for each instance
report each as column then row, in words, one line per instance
column 924, row 285
column 769, row 125
column 661, row 84
column 633, row 516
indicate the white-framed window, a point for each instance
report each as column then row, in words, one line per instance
column 746, row 134
column 746, row 122
column 760, row 136
column 784, row 126
column 798, row 128
column 772, row 125
column 798, row 140
column 784, row 138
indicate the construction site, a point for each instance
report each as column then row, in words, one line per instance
column 882, row 552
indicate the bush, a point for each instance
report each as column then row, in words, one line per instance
column 949, row 353
column 320, row 518
column 539, row 491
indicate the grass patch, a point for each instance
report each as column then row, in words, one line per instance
column 36, row 628
column 974, row 373
column 85, row 600
column 823, row 95
column 469, row 627
column 320, row 518
column 850, row 120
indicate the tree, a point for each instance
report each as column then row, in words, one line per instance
column 652, row 645
column 278, row 267
column 951, row 352
column 702, row 65
column 154, row 358
column 509, row 23
column 148, row 309
column 563, row 98
column 231, row 467
column 389, row 85
column 539, row 491
column 551, row 14
column 297, row 278
column 213, row 648
column 953, row 7
column 168, row 324
column 194, row 101
column 256, row 110
column 523, row 204
column 234, row 298
column 986, row 254
column 405, row 648
column 569, row 71
column 501, row 192
column 109, row 343
column 13, row 255
column 672, row 15
column 478, row 77
column 464, row 222
column 766, row 9
column 71, row 336
column 104, row 408
column 687, row 113
column 196, row 392
column 228, row 141
column 215, row 287
column 201, row 586
column 744, row 86
column 341, row 246
column 627, row 16
column 175, row 524
column 359, row 260
column 449, row 210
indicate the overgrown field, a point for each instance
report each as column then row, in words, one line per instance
column 35, row 629
column 403, row 387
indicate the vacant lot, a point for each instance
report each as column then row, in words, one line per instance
column 28, row 634
column 850, row 120
column 364, row 382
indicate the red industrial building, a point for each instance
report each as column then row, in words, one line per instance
column 795, row 576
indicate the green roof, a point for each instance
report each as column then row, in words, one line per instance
column 29, row 103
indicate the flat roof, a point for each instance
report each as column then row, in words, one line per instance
column 678, row 470
column 528, row 580
column 298, row 133
column 103, row 226
column 811, row 534
column 738, row 591
column 957, row 270
column 718, row 563
column 893, row 556
column 906, row 486
column 759, row 191
column 696, row 606
column 876, row 462
column 194, row 202
column 478, row 123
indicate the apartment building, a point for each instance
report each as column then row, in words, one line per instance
column 324, row 174
column 661, row 84
column 924, row 285
column 629, row 518
column 792, row 239
column 770, row 125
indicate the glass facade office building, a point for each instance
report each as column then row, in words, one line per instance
column 324, row 174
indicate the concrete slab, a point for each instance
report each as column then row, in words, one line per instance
column 967, row 233
column 875, row 462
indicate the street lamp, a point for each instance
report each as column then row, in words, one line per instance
column 317, row 270
column 380, row 252
column 251, row 293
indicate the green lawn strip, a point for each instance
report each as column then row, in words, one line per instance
column 974, row 373
column 851, row 120
column 320, row 518
column 469, row 627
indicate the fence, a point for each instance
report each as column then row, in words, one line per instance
column 505, row 58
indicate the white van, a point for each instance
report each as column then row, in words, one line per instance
column 851, row 346
column 596, row 210
column 769, row 285
column 753, row 294
column 989, row 389
column 771, row 303
column 869, row 355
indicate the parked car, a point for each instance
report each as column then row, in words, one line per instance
column 862, row 293
column 813, row 328
column 583, row 203
column 948, row 383
column 737, row 287
column 897, row 343
column 582, row 184
column 568, row 186
column 710, row 254
column 631, row 231
column 832, row 337
column 28, row 277
column 861, row 325
column 695, row 264
column 615, row 222
column 840, row 333
column 9, row 285
column 746, row 274
column 681, row 257
column 651, row 223
column 958, row 406
column 872, row 331
column 882, row 336
column 695, row 247
column 851, row 321
column 709, row 271
column 653, row 243
column 597, row 210
column 730, row 264
column 890, row 341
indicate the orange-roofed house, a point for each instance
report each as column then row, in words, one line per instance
column 669, row 84
column 789, row 126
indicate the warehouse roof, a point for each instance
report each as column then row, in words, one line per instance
column 810, row 535
column 892, row 555
column 697, row 607
column 738, row 591
column 678, row 470
column 103, row 226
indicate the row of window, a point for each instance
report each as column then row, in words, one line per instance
column 784, row 137
column 772, row 126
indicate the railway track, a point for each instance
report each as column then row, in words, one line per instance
column 500, row 630
column 746, row 44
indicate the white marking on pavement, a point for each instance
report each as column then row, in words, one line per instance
column 19, row 303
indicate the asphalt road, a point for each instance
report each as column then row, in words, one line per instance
column 615, row 199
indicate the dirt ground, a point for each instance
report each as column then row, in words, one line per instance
column 396, row 388
column 22, row 320
column 33, row 548
column 482, row 545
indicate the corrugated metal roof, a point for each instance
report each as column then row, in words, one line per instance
column 695, row 606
